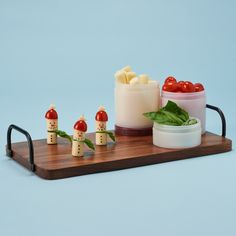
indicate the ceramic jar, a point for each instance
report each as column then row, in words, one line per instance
column 193, row 103
column 168, row 136
column 131, row 101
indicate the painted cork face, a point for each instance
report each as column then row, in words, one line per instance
column 79, row 135
column 52, row 125
column 100, row 126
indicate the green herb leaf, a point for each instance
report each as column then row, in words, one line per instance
column 164, row 118
column 110, row 134
column 86, row 141
column 190, row 122
column 89, row 143
column 63, row 134
column 172, row 117
column 171, row 114
column 174, row 108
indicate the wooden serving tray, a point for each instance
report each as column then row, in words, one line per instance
column 56, row 161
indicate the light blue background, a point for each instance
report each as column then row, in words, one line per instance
column 66, row 52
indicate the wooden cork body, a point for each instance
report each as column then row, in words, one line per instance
column 51, row 137
column 77, row 149
column 77, row 144
column 52, row 126
column 101, row 138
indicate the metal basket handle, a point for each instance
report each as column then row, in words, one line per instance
column 9, row 151
column 221, row 114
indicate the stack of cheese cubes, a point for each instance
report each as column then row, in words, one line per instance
column 127, row 76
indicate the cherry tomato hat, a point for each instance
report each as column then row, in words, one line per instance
column 81, row 124
column 51, row 114
column 101, row 114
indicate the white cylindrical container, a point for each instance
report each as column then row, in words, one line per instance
column 131, row 101
column 193, row 103
column 168, row 136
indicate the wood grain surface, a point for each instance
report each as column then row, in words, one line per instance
column 56, row 161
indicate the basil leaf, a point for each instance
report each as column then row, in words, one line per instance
column 190, row 122
column 110, row 134
column 171, row 114
column 89, row 143
column 63, row 134
column 174, row 108
column 172, row 117
column 162, row 118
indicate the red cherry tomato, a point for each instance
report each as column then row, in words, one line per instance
column 180, row 84
column 164, row 87
column 170, row 79
column 187, row 87
column 198, row 87
column 170, row 87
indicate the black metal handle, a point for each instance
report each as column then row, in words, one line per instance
column 223, row 121
column 9, row 151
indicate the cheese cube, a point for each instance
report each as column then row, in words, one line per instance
column 127, row 69
column 133, row 81
column 130, row 75
column 143, row 79
column 121, row 77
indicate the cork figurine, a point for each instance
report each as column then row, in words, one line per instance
column 80, row 128
column 52, row 125
column 101, row 132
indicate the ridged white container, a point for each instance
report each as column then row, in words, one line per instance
column 131, row 101
column 193, row 103
column 168, row 136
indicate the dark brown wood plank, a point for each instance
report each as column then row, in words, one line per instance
column 56, row 161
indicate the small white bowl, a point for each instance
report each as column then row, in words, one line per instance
column 168, row 136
